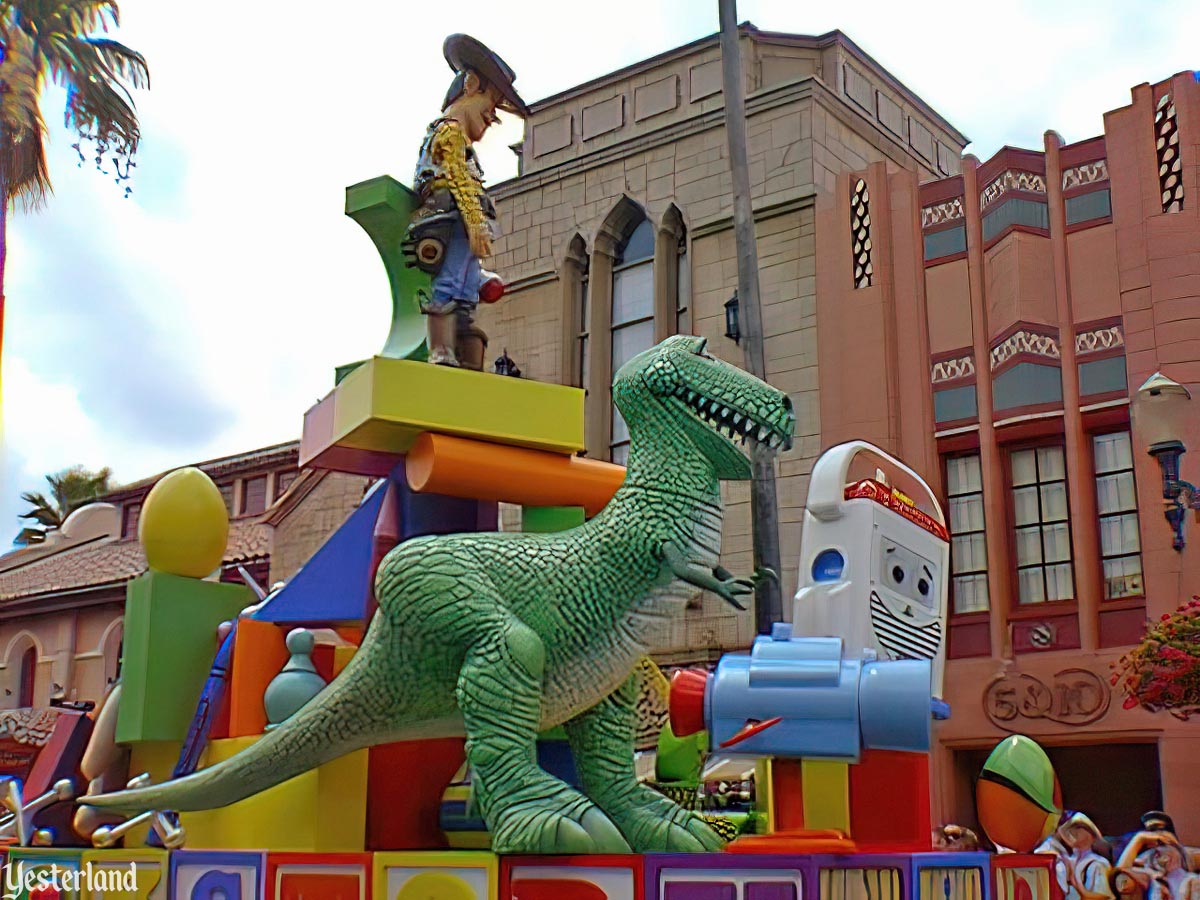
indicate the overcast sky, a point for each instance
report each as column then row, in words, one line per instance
column 203, row 315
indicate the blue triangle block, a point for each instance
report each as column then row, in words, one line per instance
column 335, row 584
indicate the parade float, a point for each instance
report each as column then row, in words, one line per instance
column 433, row 708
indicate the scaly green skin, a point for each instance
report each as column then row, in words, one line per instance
column 500, row 636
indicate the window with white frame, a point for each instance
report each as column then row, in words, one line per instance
column 1043, row 528
column 968, row 544
column 1116, row 504
column 632, row 315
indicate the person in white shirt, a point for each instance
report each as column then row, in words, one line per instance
column 1082, row 872
column 1160, row 857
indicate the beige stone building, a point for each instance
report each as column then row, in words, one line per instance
column 618, row 232
column 62, row 602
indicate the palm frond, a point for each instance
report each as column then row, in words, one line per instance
column 63, row 41
column 98, row 100
column 124, row 63
column 24, row 175
column 42, row 511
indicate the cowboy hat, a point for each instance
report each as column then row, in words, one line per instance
column 1079, row 819
column 465, row 54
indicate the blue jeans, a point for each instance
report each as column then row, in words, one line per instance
column 456, row 286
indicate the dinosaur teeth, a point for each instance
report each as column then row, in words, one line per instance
column 737, row 418
column 763, row 431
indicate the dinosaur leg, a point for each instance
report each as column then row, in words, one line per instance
column 602, row 742
column 527, row 810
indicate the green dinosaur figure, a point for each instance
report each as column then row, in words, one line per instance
column 499, row 636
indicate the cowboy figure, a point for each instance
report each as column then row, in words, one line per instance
column 453, row 228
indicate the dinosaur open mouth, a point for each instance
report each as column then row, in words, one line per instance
column 735, row 423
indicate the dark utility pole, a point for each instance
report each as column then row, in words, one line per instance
column 768, row 606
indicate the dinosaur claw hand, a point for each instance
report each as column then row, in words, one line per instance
column 731, row 589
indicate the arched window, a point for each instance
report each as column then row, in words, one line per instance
column 28, row 676
column 632, row 320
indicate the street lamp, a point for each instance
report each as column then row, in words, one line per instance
column 732, row 330
column 1159, row 408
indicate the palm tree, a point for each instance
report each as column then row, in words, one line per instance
column 69, row 489
column 58, row 41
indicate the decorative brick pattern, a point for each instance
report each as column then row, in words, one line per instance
column 1012, row 180
column 1088, row 173
column 942, row 212
column 860, row 234
column 1025, row 342
column 1099, row 339
column 1166, row 148
column 950, row 369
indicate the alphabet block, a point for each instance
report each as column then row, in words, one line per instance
column 126, row 875
column 466, row 875
column 199, row 875
column 328, row 876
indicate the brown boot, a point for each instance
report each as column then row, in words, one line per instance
column 471, row 343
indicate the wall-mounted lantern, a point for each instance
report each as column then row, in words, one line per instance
column 732, row 329
column 1160, row 405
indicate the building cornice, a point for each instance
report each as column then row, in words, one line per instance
column 776, row 38
column 809, row 87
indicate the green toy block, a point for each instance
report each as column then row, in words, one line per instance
column 384, row 207
column 545, row 519
column 170, row 642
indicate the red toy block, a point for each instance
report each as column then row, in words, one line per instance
column 556, row 889
column 889, row 801
column 328, row 876
column 787, row 794
column 1025, row 876
column 599, row 877
column 258, row 655
column 405, row 783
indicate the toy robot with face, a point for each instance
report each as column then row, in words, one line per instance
column 874, row 565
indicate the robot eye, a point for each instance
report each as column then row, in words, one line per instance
column 923, row 587
column 828, row 565
column 898, row 574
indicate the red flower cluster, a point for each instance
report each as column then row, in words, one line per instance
column 1163, row 671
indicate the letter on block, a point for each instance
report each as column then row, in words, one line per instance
column 197, row 875
column 308, row 876
column 467, row 875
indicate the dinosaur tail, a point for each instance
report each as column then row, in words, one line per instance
column 347, row 715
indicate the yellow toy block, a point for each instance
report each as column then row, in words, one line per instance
column 826, row 794
column 380, row 408
column 447, row 875
column 112, row 871
column 764, row 795
column 322, row 811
